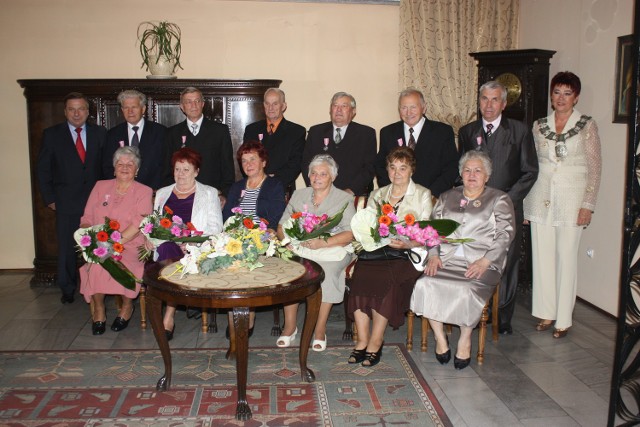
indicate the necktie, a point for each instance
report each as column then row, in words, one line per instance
column 270, row 131
column 79, row 145
column 412, row 140
column 135, row 141
column 338, row 138
column 194, row 129
column 489, row 128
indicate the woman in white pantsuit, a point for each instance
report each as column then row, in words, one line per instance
column 561, row 202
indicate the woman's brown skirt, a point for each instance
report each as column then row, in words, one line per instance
column 384, row 286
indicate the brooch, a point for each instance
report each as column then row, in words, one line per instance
column 106, row 200
column 477, row 203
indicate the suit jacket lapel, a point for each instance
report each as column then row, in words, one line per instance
column 92, row 144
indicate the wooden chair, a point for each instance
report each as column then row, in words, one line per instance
column 482, row 326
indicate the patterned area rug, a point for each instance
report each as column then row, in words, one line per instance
column 117, row 388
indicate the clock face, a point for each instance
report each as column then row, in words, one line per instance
column 513, row 85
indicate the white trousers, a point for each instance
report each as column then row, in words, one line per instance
column 554, row 252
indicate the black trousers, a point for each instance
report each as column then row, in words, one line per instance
column 509, row 281
column 67, row 278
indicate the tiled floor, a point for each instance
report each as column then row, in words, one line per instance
column 528, row 378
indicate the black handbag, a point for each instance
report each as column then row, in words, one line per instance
column 383, row 253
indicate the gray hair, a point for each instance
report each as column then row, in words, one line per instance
column 476, row 155
column 128, row 94
column 412, row 91
column 324, row 158
column 277, row 91
column 133, row 152
column 337, row 95
column 492, row 84
column 191, row 89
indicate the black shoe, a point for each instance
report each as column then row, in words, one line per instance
column 98, row 328
column 461, row 363
column 357, row 356
column 194, row 313
column 169, row 334
column 505, row 330
column 372, row 358
column 445, row 357
column 228, row 335
column 67, row 299
column 119, row 323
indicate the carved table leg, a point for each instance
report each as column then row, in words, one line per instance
column 154, row 313
column 310, row 319
column 241, row 326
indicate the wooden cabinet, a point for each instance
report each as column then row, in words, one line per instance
column 235, row 103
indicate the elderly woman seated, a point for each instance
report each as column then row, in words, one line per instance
column 125, row 200
column 322, row 197
column 460, row 278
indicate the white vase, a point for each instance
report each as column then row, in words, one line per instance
column 161, row 68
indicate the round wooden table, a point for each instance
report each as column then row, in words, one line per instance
column 211, row 292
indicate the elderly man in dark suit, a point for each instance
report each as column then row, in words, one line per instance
column 69, row 164
column 352, row 146
column 283, row 140
column 510, row 146
column 137, row 132
column 209, row 138
column 433, row 143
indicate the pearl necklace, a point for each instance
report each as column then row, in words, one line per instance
column 184, row 192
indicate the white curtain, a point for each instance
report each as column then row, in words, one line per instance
column 436, row 37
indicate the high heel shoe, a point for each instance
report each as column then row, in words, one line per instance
column 120, row 324
column 169, row 334
column 322, row 344
column 286, row 340
column 357, row 356
column 461, row 363
column 372, row 358
column 560, row 333
column 542, row 326
column 98, row 328
column 445, row 357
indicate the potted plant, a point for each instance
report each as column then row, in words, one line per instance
column 160, row 47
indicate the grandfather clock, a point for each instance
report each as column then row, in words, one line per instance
column 525, row 74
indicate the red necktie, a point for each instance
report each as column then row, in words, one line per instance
column 79, row 145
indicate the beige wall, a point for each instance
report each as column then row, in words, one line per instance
column 584, row 33
column 316, row 49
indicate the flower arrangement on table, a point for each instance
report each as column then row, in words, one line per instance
column 164, row 226
column 240, row 245
column 303, row 225
column 374, row 229
column 101, row 244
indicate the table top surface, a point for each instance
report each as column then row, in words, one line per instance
column 278, row 276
